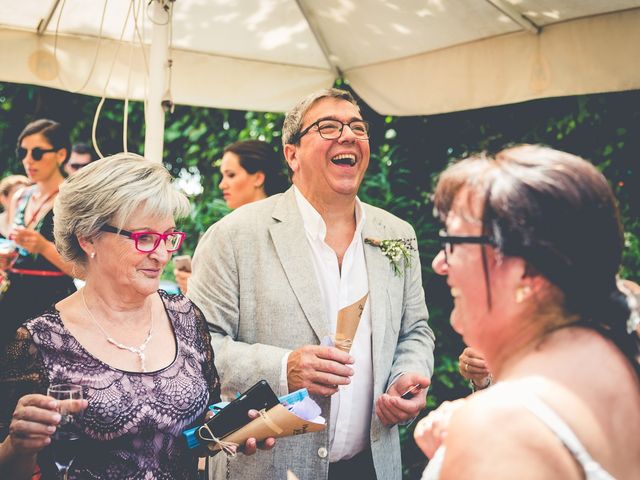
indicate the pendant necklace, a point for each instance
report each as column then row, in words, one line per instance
column 139, row 351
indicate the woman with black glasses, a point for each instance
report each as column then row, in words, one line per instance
column 531, row 252
column 143, row 357
column 38, row 277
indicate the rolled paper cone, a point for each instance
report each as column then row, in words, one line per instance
column 275, row 422
column 347, row 324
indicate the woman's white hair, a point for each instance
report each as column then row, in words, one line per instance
column 110, row 191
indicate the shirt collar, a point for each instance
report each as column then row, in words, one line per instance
column 313, row 222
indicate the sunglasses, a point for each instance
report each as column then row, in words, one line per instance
column 36, row 153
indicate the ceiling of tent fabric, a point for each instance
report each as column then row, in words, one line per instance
column 402, row 57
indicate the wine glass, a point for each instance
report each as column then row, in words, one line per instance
column 68, row 431
column 9, row 252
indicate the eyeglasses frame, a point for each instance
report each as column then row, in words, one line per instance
column 135, row 236
column 302, row 133
column 77, row 166
column 452, row 240
column 21, row 152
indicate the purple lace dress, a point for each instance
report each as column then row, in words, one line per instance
column 133, row 425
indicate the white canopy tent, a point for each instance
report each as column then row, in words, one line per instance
column 403, row 57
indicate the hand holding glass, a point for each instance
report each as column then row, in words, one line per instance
column 8, row 253
column 70, row 407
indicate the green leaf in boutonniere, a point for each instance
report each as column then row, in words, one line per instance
column 395, row 250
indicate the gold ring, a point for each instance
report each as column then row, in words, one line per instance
column 466, row 367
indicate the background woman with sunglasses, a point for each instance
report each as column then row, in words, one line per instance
column 143, row 357
column 38, row 277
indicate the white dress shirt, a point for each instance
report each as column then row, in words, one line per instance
column 352, row 405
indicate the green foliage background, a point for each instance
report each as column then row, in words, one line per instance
column 407, row 155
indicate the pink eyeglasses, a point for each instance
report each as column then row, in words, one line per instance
column 147, row 242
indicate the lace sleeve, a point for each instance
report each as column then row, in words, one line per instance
column 209, row 371
column 21, row 372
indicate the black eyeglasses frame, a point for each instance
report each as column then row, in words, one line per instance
column 36, row 153
column 448, row 241
column 297, row 137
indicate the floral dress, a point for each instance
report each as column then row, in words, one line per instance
column 132, row 428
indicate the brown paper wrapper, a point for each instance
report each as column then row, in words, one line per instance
column 347, row 324
column 276, row 422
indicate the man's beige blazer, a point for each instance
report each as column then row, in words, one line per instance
column 255, row 282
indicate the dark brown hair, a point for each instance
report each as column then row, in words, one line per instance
column 557, row 212
column 53, row 131
column 258, row 156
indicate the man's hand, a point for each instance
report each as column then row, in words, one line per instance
column 319, row 369
column 182, row 276
column 472, row 366
column 392, row 409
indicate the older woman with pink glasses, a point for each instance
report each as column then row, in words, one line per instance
column 143, row 357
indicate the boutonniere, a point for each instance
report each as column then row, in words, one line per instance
column 395, row 250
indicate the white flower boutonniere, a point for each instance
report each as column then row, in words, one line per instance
column 395, row 250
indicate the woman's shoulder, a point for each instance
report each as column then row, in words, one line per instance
column 184, row 311
column 175, row 302
column 495, row 428
column 47, row 320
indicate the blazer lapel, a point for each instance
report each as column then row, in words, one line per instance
column 292, row 247
column 378, row 271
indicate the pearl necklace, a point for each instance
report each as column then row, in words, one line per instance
column 139, row 351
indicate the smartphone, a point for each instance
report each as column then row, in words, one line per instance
column 411, row 391
column 234, row 416
column 182, row 262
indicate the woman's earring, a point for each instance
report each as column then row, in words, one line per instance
column 93, row 255
column 522, row 293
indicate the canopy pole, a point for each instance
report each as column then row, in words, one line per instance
column 44, row 22
column 158, row 64
column 513, row 14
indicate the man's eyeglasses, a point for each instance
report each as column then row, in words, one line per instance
column 332, row 129
column 147, row 242
column 448, row 241
column 36, row 153
column 76, row 166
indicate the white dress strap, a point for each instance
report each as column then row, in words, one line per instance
column 593, row 470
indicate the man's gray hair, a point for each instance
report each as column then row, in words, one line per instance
column 112, row 190
column 293, row 120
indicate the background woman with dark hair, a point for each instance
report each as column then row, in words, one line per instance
column 251, row 170
column 39, row 277
column 531, row 251
column 256, row 163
